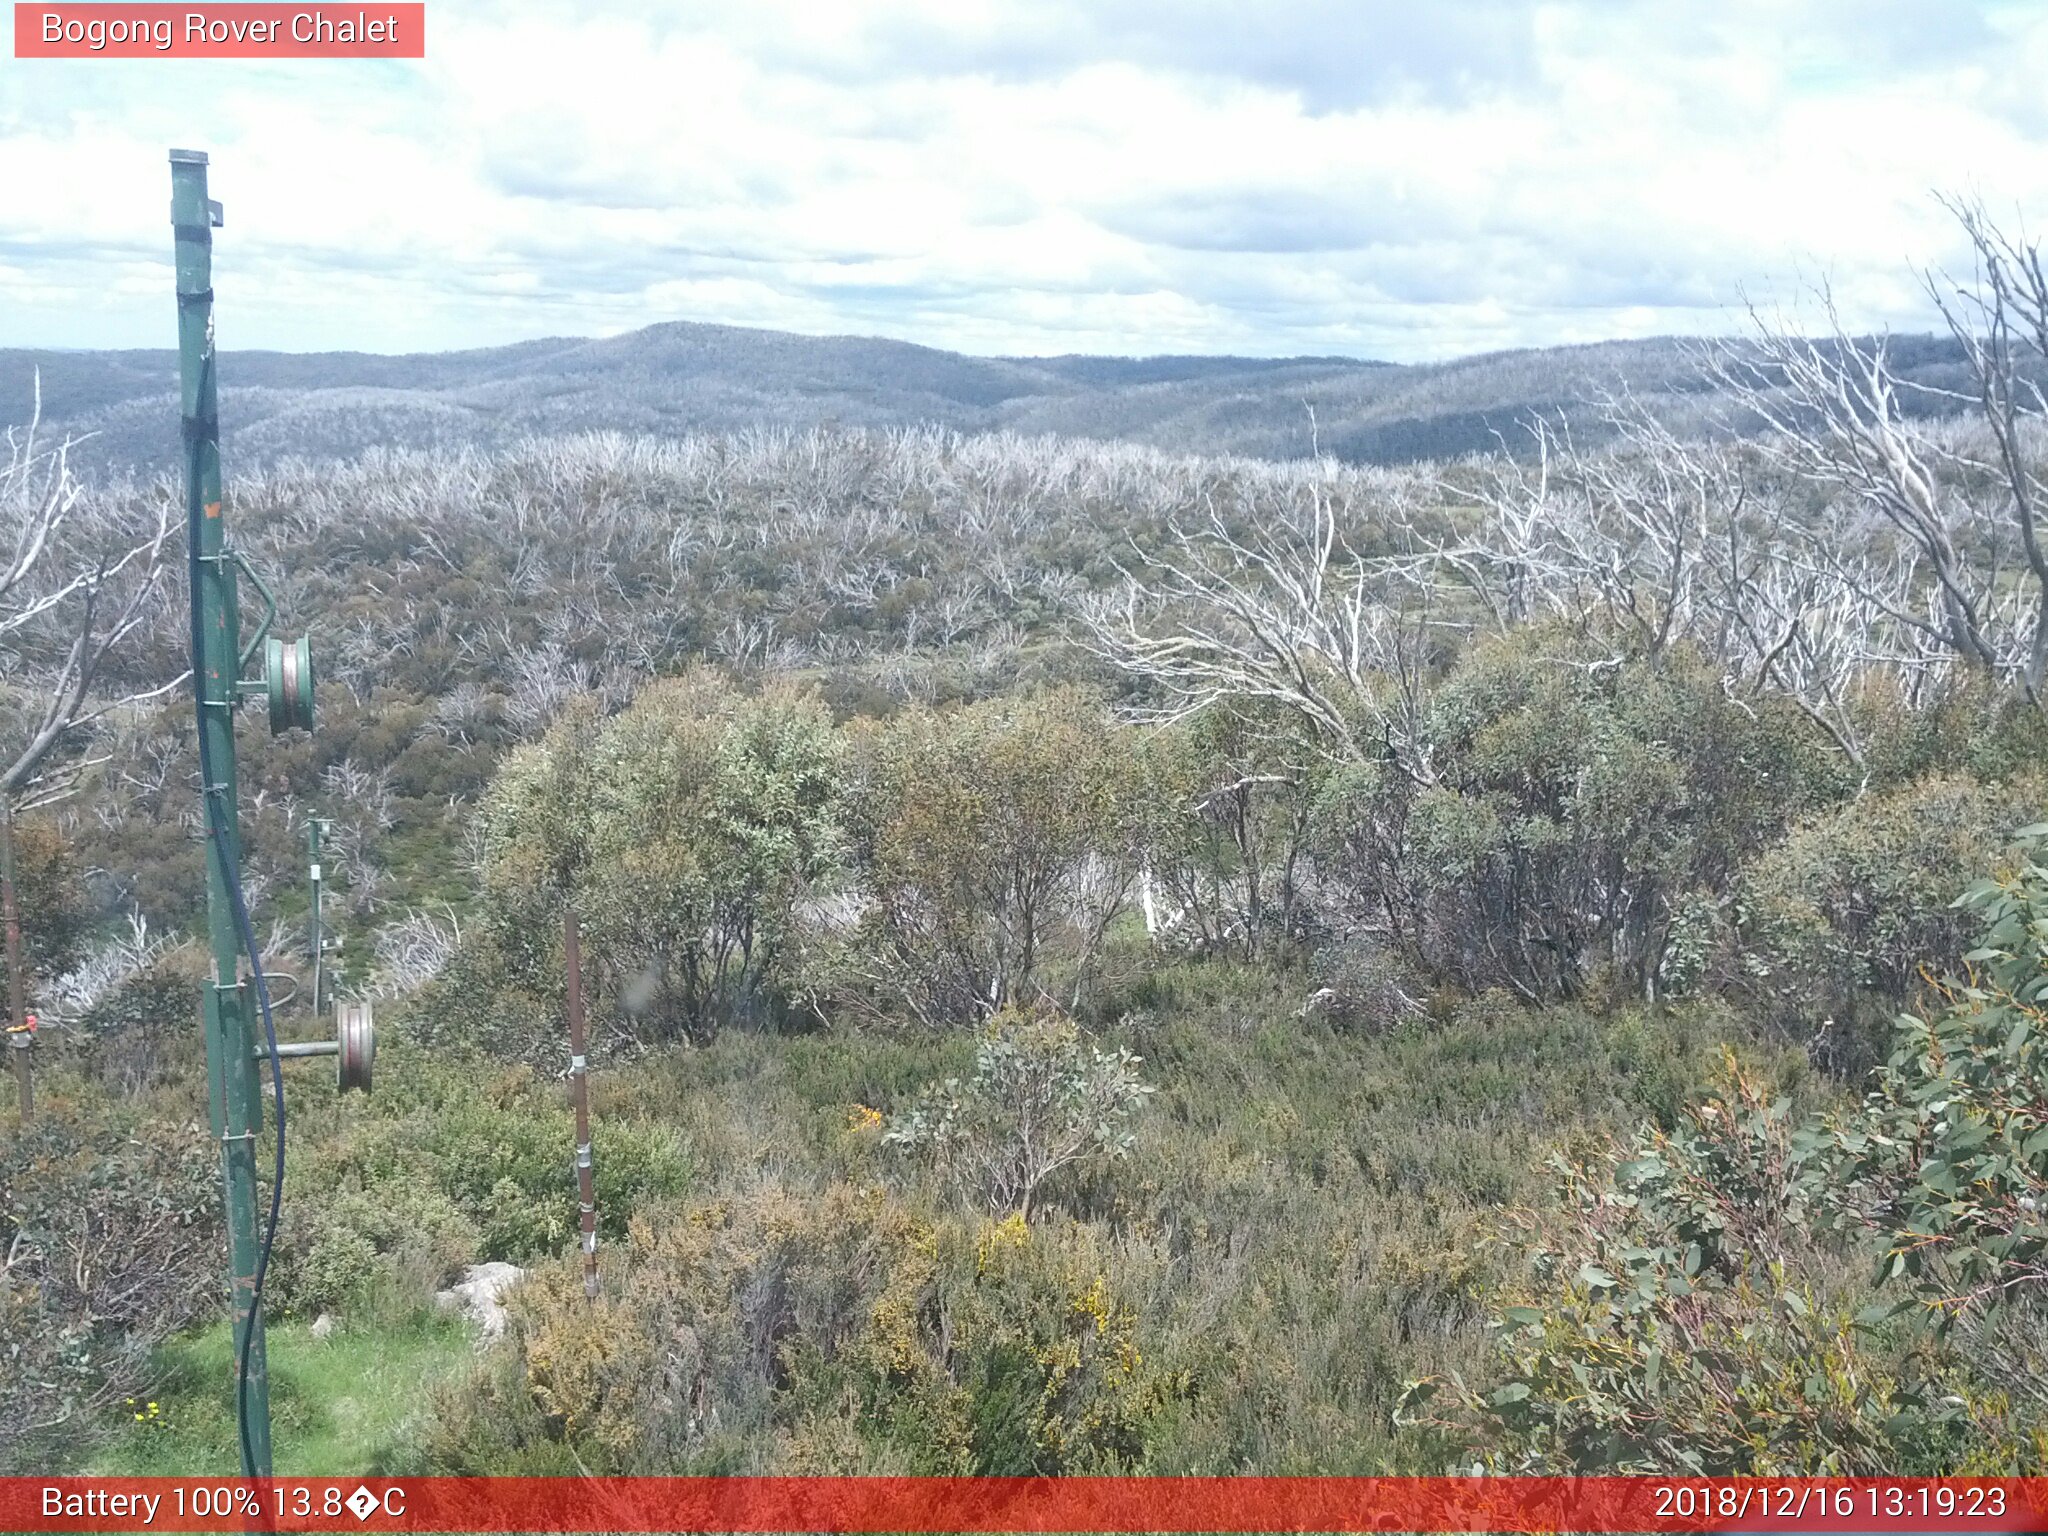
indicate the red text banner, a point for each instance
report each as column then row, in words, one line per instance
column 221, row 31
column 1001, row 1504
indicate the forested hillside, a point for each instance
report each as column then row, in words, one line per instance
column 680, row 378
column 1103, row 959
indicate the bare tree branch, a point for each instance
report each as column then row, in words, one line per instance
column 77, row 584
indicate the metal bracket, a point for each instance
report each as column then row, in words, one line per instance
column 269, row 606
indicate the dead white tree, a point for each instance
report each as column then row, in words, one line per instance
column 1937, row 541
column 1660, row 539
column 413, row 950
column 2000, row 318
column 1624, row 535
column 76, row 581
column 1279, row 609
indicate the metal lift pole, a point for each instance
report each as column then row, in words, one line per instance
column 232, row 1077
column 313, row 826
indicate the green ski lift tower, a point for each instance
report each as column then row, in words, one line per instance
column 235, row 1002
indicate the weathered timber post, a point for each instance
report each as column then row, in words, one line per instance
column 19, row 1036
column 579, row 1091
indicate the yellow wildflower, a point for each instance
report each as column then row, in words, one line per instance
column 995, row 1237
column 861, row 1118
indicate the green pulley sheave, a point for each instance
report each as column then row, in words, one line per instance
column 288, row 676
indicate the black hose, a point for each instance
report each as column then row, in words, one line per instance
column 231, row 878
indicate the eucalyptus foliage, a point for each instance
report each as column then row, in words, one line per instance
column 685, row 831
column 1857, row 1292
column 1947, row 1158
column 1038, row 1100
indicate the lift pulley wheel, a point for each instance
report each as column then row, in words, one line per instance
column 356, row 1036
column 288, row 677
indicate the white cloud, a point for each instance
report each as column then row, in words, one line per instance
column 1002, row 175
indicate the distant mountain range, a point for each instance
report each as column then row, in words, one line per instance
column 681, row 377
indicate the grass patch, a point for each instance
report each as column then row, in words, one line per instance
column 347, row 1405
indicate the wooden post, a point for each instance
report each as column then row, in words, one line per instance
column 579, row 1091
column 18, row 1037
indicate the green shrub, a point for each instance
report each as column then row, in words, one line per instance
column 689, row 1360
column 996, row 842
column 335, row 1267
column 452, row 1161
column 1362, row 985
column 686, row 831
column 1037, row 1102
column 1582, row 803
column 334, row 1242
column 1946, row 1159
column 110, row 1233
column 1680, row 1315
column 1858, row 900
column 1970, row 727
column 56, row 912
column 834, row 1332
column 1056, row 1364
column 1706, row 1301
column 145, row 1032
column 480, row 1004
column 1225, row 815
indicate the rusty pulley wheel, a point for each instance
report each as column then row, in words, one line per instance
column 288, row 679
column 356, row 1037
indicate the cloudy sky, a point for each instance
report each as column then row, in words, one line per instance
column 1407, row 179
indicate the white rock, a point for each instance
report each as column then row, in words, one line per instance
column 477, row 1295
column 323, row 1327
